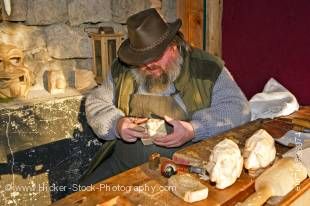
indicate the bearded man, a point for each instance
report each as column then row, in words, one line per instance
column 157, row 72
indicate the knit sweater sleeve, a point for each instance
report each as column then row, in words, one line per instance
column 229, row 108
column 101, row 113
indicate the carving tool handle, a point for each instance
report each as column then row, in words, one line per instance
column 259, row 197
column 301, row 122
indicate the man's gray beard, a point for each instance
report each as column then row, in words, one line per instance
column 157, row 85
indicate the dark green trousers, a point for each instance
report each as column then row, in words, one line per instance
column 126, row 156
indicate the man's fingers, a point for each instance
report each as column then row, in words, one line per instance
column 141, row 120
column 162, row 140
column 138, row 128
column 128, row 138
column 168, row 119
column 137, row 120
column 166, row 141
column 136, row 134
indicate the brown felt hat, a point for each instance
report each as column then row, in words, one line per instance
column 148, row 37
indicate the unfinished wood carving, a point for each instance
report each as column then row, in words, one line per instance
column 259, row 150
column 15, row 78
column 56, row 82
column 84, row 80
column 188, row 188
column 225, row 164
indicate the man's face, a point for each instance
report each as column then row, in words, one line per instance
column 159, row 66
column 158, row 74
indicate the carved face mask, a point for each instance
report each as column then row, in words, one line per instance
column 15, row 78
column 259, row 150
column 225, row 164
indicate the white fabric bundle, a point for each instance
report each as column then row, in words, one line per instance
column 274, row 101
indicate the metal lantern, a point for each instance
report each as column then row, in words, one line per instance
column 105, row 45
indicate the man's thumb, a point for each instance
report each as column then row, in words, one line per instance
column 168, row 119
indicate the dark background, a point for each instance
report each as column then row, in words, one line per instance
column 268, row 38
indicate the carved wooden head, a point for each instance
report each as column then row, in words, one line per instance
column 225, row 163
column 259, row 150
column 15, row 78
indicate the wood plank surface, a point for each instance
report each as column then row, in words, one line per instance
column 142, row 186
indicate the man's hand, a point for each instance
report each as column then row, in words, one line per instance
column 182, row 133
column 129, row 130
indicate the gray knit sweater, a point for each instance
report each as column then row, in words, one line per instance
column 229, row 108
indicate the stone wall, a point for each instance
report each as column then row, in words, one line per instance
column 52, row 32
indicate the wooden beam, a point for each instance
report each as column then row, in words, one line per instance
column 182, row 13
column 191, row 13
column 196, row 23
column 214, row 27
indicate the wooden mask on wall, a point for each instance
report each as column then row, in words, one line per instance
column 15, row 78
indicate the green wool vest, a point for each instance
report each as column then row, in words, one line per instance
column 195, row 83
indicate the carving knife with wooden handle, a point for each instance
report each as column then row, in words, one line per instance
column 277, row 180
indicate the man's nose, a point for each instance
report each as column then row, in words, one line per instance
column 149, row 66
column 153, row 63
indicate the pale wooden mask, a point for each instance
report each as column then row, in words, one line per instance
column 15, row 78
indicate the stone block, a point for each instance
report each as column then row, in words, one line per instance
column 82, row 11
column 122, row 9
column 18, row 11
column 169, row 10
column 86, row 64
column 116, row 26
column 64, row 42
column 23, row 37
column 45, row 12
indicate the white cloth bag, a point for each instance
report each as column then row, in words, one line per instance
column 274, row 101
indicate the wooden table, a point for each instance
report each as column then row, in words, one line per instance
column 142, row 186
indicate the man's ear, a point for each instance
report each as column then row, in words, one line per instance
column 174, row 47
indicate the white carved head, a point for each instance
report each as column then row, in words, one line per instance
column 259, row 150
column 225, row 164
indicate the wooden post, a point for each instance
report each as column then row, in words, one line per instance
column 192, row 15
column 181, row 6
column 214, row 27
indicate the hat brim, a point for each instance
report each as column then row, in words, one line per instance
column 133, row 57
